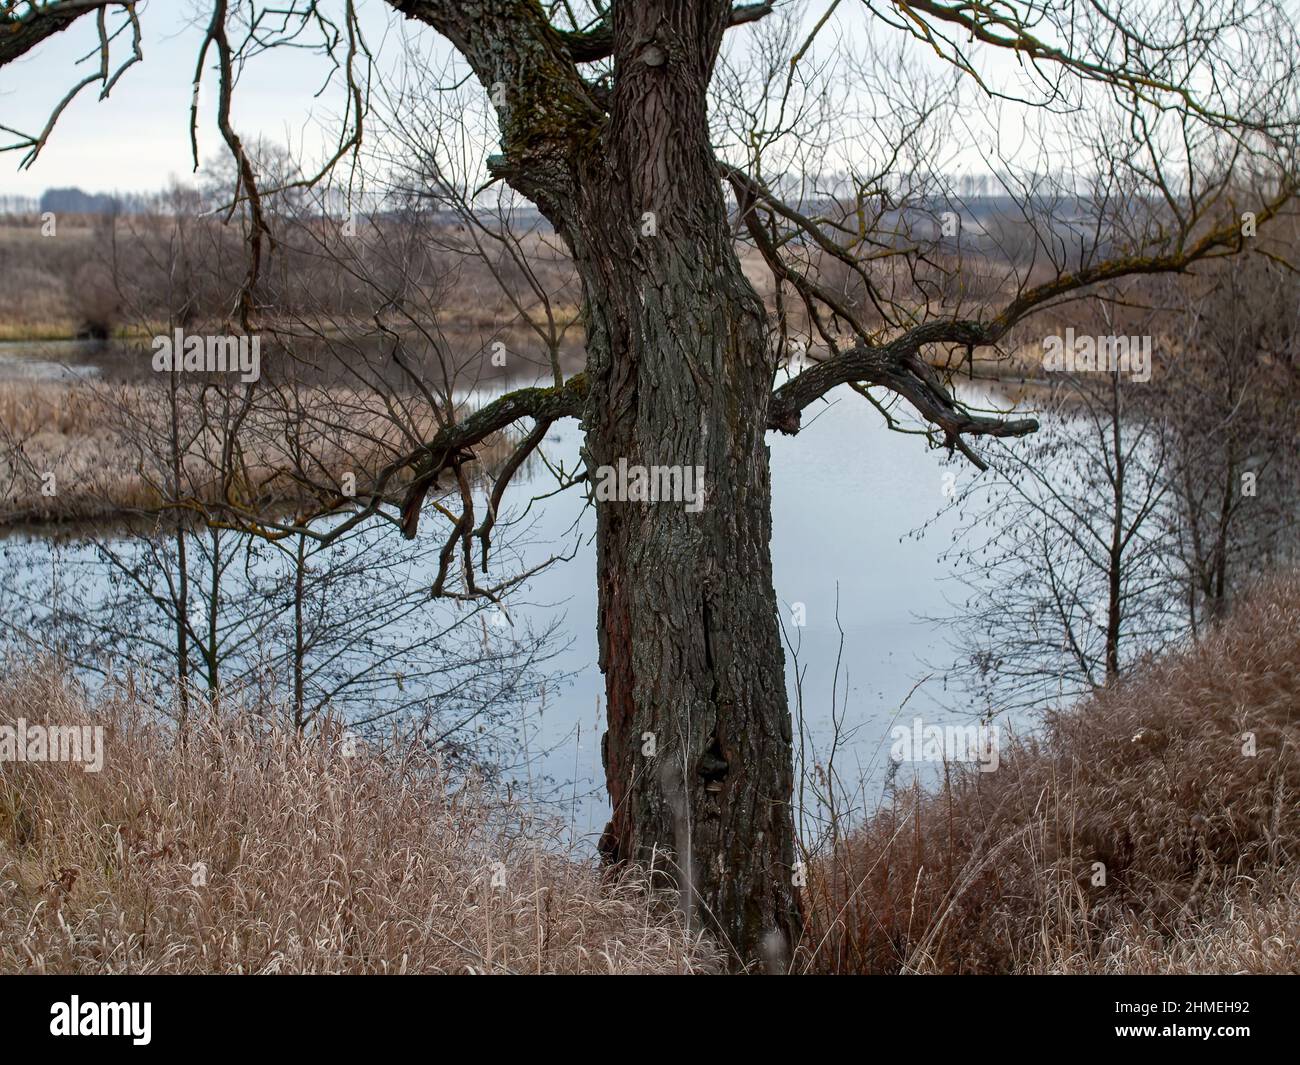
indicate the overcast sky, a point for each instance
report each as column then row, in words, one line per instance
column 139, row 138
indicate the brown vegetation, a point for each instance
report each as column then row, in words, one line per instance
column 995, row 872
column 107, row 447
column 250, row 849
column 318, row 862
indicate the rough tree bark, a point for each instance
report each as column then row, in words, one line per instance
column 680, row 373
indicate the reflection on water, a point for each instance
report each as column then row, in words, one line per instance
column 50, row 360
column 846, row 493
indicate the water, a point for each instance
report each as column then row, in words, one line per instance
column 49, row 360
column 846, row 494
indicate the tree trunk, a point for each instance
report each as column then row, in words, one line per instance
column 698, row 752
column 679, row 374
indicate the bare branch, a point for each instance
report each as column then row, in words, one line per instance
column 597, row 43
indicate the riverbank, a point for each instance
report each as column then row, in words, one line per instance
column 87, row 415
column 1138, row 835
column 83, row 449
column 1154, row 828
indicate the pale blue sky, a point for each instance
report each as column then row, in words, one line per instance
column 138, row 138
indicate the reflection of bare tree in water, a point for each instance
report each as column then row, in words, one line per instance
column 346, row 631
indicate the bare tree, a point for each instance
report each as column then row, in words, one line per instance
column 1063, row 552
column 343, row 629
column 603, row 122
column 1226, row 397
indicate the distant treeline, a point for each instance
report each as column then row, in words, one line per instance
column 77, row 201
column 977, row 192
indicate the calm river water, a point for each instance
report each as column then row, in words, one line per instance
column 847, row 494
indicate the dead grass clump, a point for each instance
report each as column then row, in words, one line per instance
column 253, row 850
column 1137, row 833
column 1243, row 932
column 108, row 447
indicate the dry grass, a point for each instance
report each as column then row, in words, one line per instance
column 39, row 298
column 106, row 445
column 62, row 429
column 1237, row 934
column 995, row 872
column 316, row 862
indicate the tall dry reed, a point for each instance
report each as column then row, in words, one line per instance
column 249, row 849
column 1138, row 832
